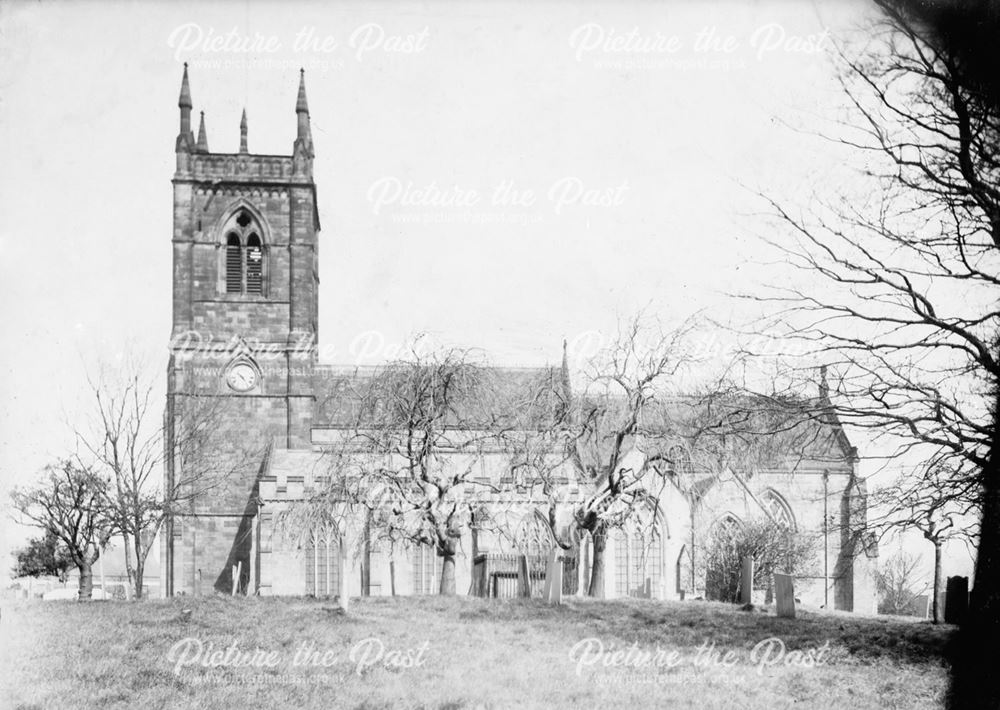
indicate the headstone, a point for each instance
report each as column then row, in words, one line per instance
column 746, row 581
column 956, row 600
column 784, row 595
column 550, row 572
column 919, row 606
column 553, row 578
column 523, row 580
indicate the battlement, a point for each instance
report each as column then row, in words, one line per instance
column 244, row 168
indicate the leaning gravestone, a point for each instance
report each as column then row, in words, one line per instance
column 523, row 577
column 746, row 581
column 956, row 602
column 784, row 595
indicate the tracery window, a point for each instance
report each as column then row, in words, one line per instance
column 245, row 255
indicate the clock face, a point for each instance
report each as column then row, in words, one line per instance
column 241, row 377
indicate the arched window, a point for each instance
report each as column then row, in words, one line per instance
column 778, row 509
column 234, row 265
column 255, row 265
column 322, row 562
column 638, row 563
column 244, row 262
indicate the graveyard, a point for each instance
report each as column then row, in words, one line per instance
column 457, row 652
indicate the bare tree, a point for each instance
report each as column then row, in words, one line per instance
column 901, row 299
column 417, row 451
column 625, row 384
column 934, row 503
column 629, row 434
column 898, row 583
column 537, row 460
column 126, row 437
column 72, row 503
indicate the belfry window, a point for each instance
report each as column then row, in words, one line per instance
column 244, row 261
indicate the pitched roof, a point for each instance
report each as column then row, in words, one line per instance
column 523, row 394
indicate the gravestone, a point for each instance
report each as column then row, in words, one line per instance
column 956, row 598
column 523, row 580
column 553, row 579
column 746, row 581
column 784, row 595
column 920, row 606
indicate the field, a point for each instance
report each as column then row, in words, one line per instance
column 429, row 652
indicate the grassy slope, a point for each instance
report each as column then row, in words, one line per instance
column 488, row 653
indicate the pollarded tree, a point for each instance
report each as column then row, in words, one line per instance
column 73, row 504
column 416, row 451
column 626, row 382
column 629, row 434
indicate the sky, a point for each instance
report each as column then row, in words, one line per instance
column 504, row 175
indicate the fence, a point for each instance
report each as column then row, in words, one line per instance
column 499, row 576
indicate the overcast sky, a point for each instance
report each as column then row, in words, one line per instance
column 497, row 174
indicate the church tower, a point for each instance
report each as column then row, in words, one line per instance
column 242, row 362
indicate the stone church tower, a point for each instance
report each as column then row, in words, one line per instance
column 243, row 345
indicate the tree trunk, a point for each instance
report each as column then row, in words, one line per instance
column 138, row 573
column 127, row 541
column 448, row 574
column 597, row 565
column 935, row 598
column 86, row 581
column 974, row 681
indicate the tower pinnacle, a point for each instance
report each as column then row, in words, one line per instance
column 303, row 137
column 185, row 138
column 243, row 132
column 301, row 105
column 185, row 99
column 202, row 136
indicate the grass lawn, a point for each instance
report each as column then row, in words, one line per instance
column 429, row 652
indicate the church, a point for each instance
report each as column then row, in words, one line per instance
column 244, row 340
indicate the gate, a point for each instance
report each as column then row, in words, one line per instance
column 498, row 576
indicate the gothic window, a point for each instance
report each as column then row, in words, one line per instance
column 778, row 509
column 244, row 264
column 322, row 563
column 638, row 563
